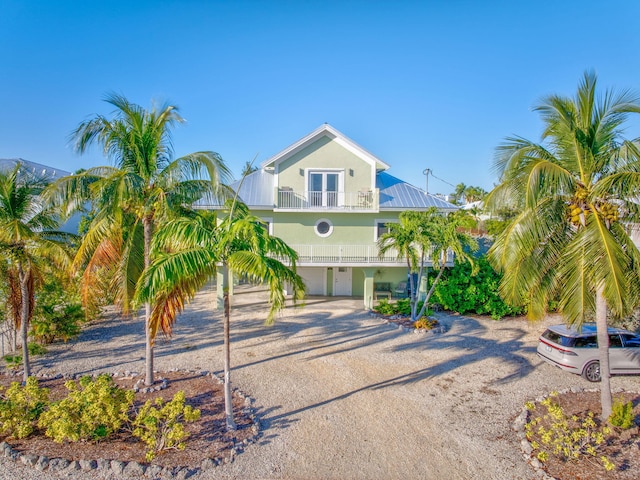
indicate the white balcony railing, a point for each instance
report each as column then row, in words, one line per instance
column 351, row 254
column 363, row 200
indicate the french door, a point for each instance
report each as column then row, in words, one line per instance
column 324, row 188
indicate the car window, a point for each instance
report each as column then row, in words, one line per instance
column 585, row 342
column 631, row 341
column 557, row 338
column 615, row 341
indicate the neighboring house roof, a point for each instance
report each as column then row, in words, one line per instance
column 36, row 168
column 325, row 130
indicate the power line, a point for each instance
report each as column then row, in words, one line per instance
column 427, row 172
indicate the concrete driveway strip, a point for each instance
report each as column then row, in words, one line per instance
column 341, row 394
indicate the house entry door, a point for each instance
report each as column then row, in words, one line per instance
column 342, row 281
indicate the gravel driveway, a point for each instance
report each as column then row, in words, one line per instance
column 341, row 394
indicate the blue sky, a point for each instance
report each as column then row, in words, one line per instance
column 431, row 84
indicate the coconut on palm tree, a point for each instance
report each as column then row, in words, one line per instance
column 145, row 186
column 29, row 246
column 190, row 251
column 578, row 189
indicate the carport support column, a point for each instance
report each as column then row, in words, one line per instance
column 224, row 279
column 368, row 287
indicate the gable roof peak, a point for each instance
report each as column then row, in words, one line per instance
column 325, row 130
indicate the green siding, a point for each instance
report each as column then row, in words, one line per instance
column 348, row 228
column 325, row 154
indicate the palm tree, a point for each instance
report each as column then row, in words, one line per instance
column 145, row 186
column 474, row 194
column 189, row 253
column 419, row 235
column 577, row 187
column 28, row 246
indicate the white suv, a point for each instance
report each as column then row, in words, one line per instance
column 577, row 351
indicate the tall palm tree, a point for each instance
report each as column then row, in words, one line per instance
column 28, row 245
column 420, row 235
column 578, row 189
column 143, row 187
column 190, row 251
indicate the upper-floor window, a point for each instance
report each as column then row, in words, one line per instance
column 324, row 187
column 382, row 227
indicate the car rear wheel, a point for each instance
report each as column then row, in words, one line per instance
column 591, row 371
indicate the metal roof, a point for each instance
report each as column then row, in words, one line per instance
column 257, row 190
column 35, row 168
column 397, row 194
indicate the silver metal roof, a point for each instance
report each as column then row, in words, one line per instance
column 397, row 194
column 257, row 191
column 35, row 168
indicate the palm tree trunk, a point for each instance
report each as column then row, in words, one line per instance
column 24, row 321
column 603, row 351
column 228, row 401
column 147, row 223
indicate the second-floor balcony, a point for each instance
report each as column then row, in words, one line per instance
column 362, row 200
column 354, row 255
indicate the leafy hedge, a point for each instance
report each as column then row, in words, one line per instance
column 460, row 292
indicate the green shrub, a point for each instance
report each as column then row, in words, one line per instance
column 58, row 313
column 20, row 408
column 36, row 349
column 92, row 410
column 568, row 438
column 385, row 308
column 160, row 425
column 400, row 307
column 13, row 361
column 622, row 415
column 460, row 292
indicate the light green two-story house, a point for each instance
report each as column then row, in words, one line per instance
column 330, row 199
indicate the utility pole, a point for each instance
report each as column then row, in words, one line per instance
column 426, row 172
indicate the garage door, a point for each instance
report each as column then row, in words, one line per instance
column 314, row 279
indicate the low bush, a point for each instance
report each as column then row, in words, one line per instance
column 400, row 307
column 20, row 408
column 92, row 410
column 426, row 323
column 58, row 314
column 568, row 438
column 160, row 425
column 622, row 415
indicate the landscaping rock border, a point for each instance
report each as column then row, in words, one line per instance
column 120, row 468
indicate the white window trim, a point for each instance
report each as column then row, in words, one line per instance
column 323, row 235
column 376, row 221
column 269, row 222
column 340, row 171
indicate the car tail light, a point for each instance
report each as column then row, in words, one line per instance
column 561, row 350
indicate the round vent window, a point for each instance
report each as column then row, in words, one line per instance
column 324, row 227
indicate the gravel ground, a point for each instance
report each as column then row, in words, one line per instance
column 343, row 395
